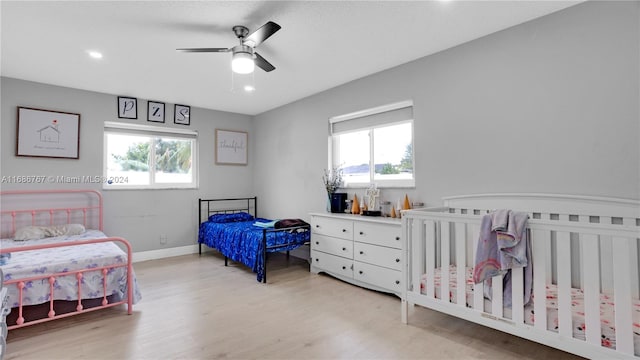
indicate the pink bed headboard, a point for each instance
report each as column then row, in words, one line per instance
column 49, row 207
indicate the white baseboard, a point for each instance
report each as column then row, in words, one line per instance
column 165, row 253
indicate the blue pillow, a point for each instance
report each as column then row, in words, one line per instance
column 226, row 218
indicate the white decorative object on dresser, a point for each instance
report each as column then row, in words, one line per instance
column 365, row 251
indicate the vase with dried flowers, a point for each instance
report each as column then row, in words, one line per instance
column 332, row 180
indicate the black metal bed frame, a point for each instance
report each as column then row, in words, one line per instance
column 244, row 208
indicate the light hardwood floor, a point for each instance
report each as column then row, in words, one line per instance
column 195, row 308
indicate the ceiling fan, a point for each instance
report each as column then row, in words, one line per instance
column 244, row 57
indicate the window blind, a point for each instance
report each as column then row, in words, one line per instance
column 382, row 115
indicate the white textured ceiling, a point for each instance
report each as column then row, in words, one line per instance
column 322, row 44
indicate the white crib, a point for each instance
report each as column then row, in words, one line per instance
column 585, row 252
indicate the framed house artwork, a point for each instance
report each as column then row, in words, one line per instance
column 231, row 147
column 127, row 107
column 155, row 111
column 47, row 133
column 182, row 114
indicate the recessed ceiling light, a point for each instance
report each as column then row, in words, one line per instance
column 249, row 88
column 95, row 54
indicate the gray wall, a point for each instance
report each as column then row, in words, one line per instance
column 547, row 106
column 141, row 216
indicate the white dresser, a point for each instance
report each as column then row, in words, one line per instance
column 362, row 250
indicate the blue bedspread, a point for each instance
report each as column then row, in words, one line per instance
column 241, row 241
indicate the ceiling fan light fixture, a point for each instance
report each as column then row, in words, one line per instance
column 94, row 54
column 244, row 59
column 242, row 63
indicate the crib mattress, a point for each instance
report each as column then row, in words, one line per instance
column 607, row 304
column 49, row 261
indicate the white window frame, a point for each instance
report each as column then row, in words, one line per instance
column 146, row 130
column 397, row 183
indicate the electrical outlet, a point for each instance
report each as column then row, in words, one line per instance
column 163, row 239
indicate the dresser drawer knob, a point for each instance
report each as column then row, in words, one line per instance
column 344, row 268
column 397, row 237
column 360, row 272
column 397, row 282
column 317, row 260
column 397, row 260
column 317, row 225
column 344, row 249
column 361, row 252
column 317, row 242
column 361, row 233
column 344, row 230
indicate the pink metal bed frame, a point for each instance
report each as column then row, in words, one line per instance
column 78, row 274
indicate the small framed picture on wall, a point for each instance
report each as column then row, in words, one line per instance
column 127, row 107
column 231, row 147
column 47, row 133
column 155, row 111
column 182, row 114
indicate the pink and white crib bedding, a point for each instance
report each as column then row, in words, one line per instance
column 607, row 307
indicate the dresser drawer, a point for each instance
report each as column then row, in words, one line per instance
column 378, row 234
column 378, row 255
column 378, row 276
column 332, row 263
column 331, row 245
column 339, row 228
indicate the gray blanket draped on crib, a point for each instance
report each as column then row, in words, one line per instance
column 503, row 245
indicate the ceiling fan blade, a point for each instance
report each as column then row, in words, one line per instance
column 205, row 50
column 262, row 34
column 263, row 64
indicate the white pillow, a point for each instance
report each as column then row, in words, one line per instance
column 29, row 233
column 39, row 232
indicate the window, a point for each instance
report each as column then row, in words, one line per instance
column 148, row 157
column 375, row 146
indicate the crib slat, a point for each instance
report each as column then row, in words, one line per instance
column 591, row 272
column 478, row 289
column 563, row 252
column 633, row 263
column 445, row 245
column 606, row 263
column 496, row 296
column 622, row 295
column 430, row 231
column 461, row 280
column 517, row 295
column 547, row 254
column 633, row 251
column 538, row 247
column 416, row 248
